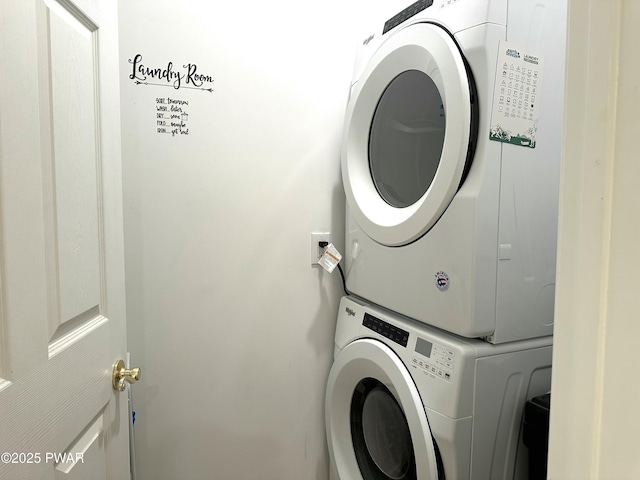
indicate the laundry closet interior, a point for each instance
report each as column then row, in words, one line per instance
column 469, row 164
column 218, row 222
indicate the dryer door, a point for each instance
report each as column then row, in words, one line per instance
column 409, row 134
column 377, row 428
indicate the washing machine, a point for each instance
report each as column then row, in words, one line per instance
column 451, row 162
column 407, row 401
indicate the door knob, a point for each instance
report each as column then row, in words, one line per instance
column 122, row 376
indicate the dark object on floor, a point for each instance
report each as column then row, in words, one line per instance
column 536, row 435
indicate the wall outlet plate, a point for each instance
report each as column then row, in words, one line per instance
column 315, row 251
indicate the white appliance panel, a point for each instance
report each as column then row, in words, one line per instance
column 484, row 267
column 474, row 413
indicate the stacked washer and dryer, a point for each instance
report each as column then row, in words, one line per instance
column 451, row 165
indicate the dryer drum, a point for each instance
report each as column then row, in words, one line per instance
column 406, row 138
column 410, row 134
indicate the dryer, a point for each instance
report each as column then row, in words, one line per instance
column 450, row 164
column 407, row 401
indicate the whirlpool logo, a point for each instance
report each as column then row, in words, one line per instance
column 350, row 312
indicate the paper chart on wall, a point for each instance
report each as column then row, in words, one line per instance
column 516, row 96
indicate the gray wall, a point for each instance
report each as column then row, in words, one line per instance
column 232, row 327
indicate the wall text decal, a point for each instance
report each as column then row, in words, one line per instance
column 189, row 78
column 171, row 116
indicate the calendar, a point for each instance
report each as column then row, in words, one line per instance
column 516, row 96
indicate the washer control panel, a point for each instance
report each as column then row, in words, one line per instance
column 434, row 359
column 393, row 333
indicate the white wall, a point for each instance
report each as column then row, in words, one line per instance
column 232, row 327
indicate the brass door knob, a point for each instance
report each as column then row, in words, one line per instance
column 122, row 376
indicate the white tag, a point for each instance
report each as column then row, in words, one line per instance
column 330, row 258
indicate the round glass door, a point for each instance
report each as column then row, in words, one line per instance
column 410, row 131
column 380, row 434
column 406, row 138
column 377, row 427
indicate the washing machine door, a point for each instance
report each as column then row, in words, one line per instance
column 410, row 131
column 377, row 428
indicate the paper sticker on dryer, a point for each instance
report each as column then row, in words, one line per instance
column 516, row 96
column 442, row 281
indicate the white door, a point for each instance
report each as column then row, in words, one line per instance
column 408, row 134
column 62, row 317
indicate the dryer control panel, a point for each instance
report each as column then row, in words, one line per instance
column 406, row 14
column 434, row 359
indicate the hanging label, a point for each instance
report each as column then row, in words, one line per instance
column 516, row 96
column 330, row 258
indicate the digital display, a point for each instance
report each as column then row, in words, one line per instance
column 423, row 347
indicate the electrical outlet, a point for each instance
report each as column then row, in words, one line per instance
column 316, row 251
